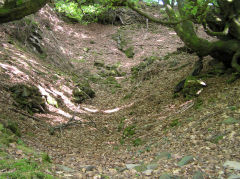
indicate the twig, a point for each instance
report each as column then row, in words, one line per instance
column 71, row 121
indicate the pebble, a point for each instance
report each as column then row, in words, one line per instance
column 90, row 173
column 131, row 166
column 97, row 177
column 198, row 175
column 90, row 168
column 148, row 172
column 165, row 176
column 152, row 166
column 234, row 177
column 185, row 160
column 232, row 165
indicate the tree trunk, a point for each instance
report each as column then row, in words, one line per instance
column 12, row 12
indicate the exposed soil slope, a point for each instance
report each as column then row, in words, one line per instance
column 132, row 119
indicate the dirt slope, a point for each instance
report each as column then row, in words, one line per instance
column 132, row 120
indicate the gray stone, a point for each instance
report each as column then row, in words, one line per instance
column 148, row 172
column 165, row 176
column 140, row 168
column 131, row 166
column 65, row 169
column 185, row 160
column 230, row 120
column 198, row 175
column 232, row 165
column 162, row 155
column 89, row 168
column 234, row 177
column 152, row 166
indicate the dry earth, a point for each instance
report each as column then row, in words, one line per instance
column 100, row 144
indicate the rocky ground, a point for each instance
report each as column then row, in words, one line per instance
column 134, row 127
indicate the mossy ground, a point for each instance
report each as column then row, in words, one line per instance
column 19, row 161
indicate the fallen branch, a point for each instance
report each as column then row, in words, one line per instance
column 70, row 122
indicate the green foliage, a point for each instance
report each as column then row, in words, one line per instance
column 13, row 126
column 137, row 142
column 129, row 52
column 197, row 9
column 121, row 124
column 175, row 123
column 82, row 11
column 19, row 168
column 46, row 158
column 111, row 81
column 22, row 168
column 198, row 104
column 129, row 131
column 217, row 138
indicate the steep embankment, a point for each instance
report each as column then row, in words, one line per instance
column 133, row 118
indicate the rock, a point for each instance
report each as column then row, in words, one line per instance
column 185, row 160
column 86, row 49
column 82, row 92
column 230, row 120
column 234, row 177
column 97, row 177
column 198, row 175
column 67, row 175
column 28, row 98
column 162, row 155
column 99, row 63
column 192, row 87
column 89, row 168
column 232, row 165
column 152, row 166
column 148, row 172
column 165, row 176
column 140, row 168
column 90, row 173
column 131, row 166
column 65, row 168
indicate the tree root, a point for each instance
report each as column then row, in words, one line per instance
column 234, row 63
column 197, row 69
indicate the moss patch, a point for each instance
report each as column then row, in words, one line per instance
column 143, row 65
column 82, row 92
column 129, row 52
column 12, row 167
column 192, row 86
column 28, row 98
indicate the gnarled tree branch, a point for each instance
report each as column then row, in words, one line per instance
column 223, row 33
column 153, row 19
column 8, row 13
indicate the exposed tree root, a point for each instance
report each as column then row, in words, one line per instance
column 197, row 69
column 234, row 63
